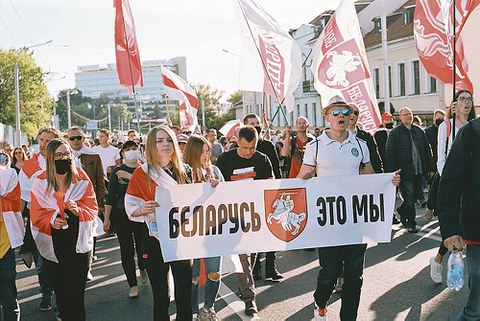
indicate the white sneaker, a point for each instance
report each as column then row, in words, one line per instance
column 436, row 270
column 319, row 314
column 196, row 317
column 428, row 213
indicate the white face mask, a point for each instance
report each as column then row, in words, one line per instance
column 132, row 155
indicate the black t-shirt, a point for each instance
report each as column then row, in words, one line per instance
column 118, row 187
column 235, row 168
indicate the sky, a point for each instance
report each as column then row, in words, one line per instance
column 82, row 34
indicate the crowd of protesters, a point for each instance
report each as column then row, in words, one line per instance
column 54, row 203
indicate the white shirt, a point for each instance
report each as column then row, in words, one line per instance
column 332, row 158
column 108, row 155
column 442, row 143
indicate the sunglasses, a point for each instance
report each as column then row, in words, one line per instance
column 356, row 112
column 344, row 111
column 72, row 138
column 465, row 99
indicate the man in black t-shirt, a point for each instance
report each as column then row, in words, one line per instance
column 246, row 163
column 266, row 147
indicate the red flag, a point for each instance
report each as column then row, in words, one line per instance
column 228, row 129
column 434, row 39
column 129, row 66
column 340, row 65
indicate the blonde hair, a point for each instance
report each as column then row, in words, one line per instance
column 192, row 156
column 151, row 154
column 50, row 161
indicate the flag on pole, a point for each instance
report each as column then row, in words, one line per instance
column 340, row 65
column 433, row 30
column 177, row 88
column 129, row 66
column 229, row 128
column 270, row 60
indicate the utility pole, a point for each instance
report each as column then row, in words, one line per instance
column 386, row 80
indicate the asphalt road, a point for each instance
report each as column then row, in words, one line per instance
column 397, row 286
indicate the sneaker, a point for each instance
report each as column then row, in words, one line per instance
column 319, row 314
column 196, row 317
column 339, row 285
column 89, row 276
column 208, row 315
column 250, row 308
column 143, row 276
column 412, row 229
column 436, row 270
column 273, row 275
column 428, row 214
column 46, row 303
column 133, row 293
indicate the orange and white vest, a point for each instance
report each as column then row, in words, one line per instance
column 12, row 217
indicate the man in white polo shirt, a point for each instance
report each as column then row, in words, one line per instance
column 336, row 152
column 108, row 153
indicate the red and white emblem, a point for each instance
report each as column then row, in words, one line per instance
column 286, row 212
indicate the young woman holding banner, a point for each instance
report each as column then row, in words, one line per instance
column 197, row 155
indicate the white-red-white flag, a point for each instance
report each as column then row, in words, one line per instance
column 270, row 60
column 178, row 89
column 433, row 30
column 129, row 66
column 230, row 126
column 340, row 65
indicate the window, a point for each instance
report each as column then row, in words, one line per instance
column 306, row 111
column 376, row 82
column 401, row 79
column 314, row 107
column 432, row 85
column 298, row 110
column 415, row 77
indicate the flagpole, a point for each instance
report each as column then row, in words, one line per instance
column 131, row 74
column 454, row 66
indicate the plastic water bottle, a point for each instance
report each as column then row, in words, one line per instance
column 455, row 271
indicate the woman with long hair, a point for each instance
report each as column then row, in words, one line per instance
column 197, row 155
column 163, row 167
column 62, row 212
column 462, row 106
column 18, row 159
column 129, row 233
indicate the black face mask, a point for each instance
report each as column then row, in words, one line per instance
column 259, row 129
column 389, row 126
column 63, row 166
column 438, row 122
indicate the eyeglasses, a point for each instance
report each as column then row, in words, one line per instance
column 18, row 152
column 356, row 112
column 72, row 138
column 58, row 156
column 465, row 99
column 344, row 111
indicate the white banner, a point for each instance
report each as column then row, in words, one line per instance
column 270, row 60
column 198, row 221
column 340, row 66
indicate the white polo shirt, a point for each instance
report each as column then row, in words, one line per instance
column 332, row 158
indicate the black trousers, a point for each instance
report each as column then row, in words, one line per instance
column 158, row 274
column 130, row 238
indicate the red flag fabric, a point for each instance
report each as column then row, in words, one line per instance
column 129, row 66
column 340, row 66
column 433, row 30
column 178, row 89
column 229, row 128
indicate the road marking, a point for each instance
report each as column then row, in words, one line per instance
column 234, row 303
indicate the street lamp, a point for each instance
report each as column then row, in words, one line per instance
column 69, row 115
column 17, row 92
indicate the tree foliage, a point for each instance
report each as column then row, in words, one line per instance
column 35, row 102
column 93, row 109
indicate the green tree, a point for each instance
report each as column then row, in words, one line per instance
column 35, row 102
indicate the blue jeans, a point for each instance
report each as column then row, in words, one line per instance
column 212, row 265
column 471, row 312
column 335, row 261
column 409, row 187
column 44, row 277
column 8, row 289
